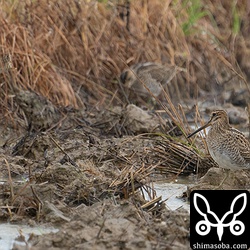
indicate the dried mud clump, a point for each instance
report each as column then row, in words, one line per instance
column 79, row 150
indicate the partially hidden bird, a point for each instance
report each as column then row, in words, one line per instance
column 6, row 63
column 148, row 77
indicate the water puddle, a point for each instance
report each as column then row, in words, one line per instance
column 172, row 193
column 9, row 233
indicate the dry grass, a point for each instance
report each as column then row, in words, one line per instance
column 72, row 52
column 177, row 158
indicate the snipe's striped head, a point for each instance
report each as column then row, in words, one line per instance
column 219, row 118
column 6, row 63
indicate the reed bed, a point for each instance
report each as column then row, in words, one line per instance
column 73, row 52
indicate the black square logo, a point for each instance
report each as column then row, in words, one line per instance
column 220, row 219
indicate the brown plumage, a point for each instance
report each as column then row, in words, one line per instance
column 229, row 148
column 5, row 63
column 39, row 111
column 153, row 75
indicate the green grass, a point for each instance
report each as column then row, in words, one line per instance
column 236, row 20
column 195, row 13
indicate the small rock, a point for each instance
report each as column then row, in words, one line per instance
column 236, row 116
column 240, row 97
column 140, row 121
column 54, row 213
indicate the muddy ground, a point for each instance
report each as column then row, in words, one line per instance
column 79, row 164
column 80, row 182
column 85, row 177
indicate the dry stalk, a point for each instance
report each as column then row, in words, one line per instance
column 65, row 153
column 9, row 211
column 38, row 201
column 131, row 179
column 151, row 204
column 20, row 192
column 10, row 180
column 179, row 159
column 82, row 51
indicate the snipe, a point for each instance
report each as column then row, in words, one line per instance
column 228, row 147
column 5, row 63
column 152, row 75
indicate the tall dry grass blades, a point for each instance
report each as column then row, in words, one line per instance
column 34, row 69
column 73, row 51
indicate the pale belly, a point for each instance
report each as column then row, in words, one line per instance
column 225, row 161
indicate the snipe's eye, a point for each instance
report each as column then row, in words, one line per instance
column 124, row 76
column 213, row 114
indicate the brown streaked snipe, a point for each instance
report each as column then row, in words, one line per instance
column 228, row 147
column 152, row 75
column 5, row 63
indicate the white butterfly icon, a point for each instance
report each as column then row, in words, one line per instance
column 236, row 227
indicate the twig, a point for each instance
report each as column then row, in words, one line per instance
column 10, row 179
column 100, row 230
column 65, row 153
column 9, row 210
column 38, row 202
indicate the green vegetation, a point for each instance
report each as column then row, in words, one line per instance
column 195, row 13
column 236, row 20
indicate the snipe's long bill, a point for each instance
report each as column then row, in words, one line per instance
column 228, row 147
column 216, row 115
